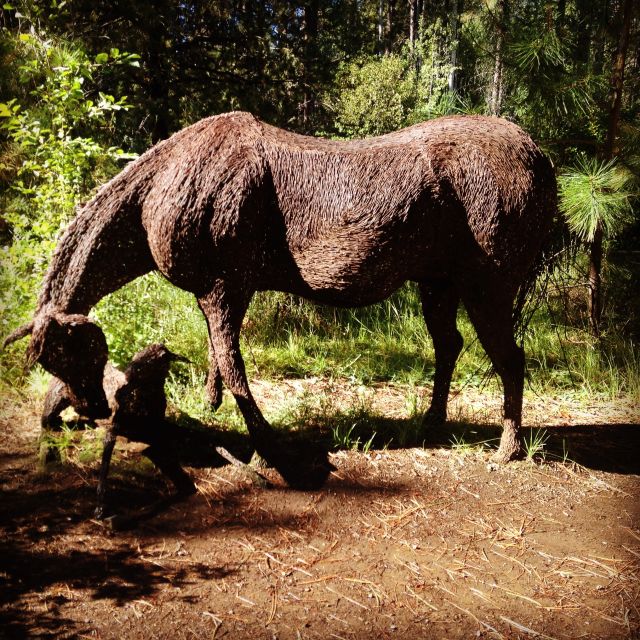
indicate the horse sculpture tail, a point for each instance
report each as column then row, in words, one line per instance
column 533, row 287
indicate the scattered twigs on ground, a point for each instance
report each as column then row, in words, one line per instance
column 257, row 478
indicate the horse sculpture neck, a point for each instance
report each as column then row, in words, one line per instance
column 104, row 248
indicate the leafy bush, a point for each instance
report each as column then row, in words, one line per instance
column 381, row 94
column 376, row 96
column 51, row 162
column 595, row 193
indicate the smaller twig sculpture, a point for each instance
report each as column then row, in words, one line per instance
column 138, row 403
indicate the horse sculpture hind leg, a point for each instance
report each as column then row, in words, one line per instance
column 490, row 310
column 440, row 307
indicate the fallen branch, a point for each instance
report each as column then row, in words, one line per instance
column 258, row 479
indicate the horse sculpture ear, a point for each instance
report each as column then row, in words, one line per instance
column 18, row 334
column 39, row 332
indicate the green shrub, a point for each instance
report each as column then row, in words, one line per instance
column 52, row 161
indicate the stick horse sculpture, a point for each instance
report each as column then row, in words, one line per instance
column 230, row 206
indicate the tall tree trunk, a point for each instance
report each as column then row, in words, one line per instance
column 617, row 84
column 412, row 22
column 310, row 60
column 595, row 280
column 561, row 11
column 391, row 14
column 380, row 46
column 158, row 89
column 456, row 12
column 158, row 79
column 611, row 151
column 386, row 17
column 603, row 16
column 495, row 104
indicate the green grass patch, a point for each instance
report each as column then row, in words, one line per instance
column 286, row 337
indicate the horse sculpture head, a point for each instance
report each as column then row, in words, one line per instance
column 73, row 349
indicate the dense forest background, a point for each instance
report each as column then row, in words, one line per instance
column 87, row 85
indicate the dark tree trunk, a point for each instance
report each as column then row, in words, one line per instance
column 602, row 19
column 391, row 14
column 456, row 11
column 560, row 13
column 617, row 84
column 610, row 151
column 595, row 281
column 413, row 22
column 495, row 104
column 310, row 61
column 380, row 46
column 158, row 84
column 386, row 20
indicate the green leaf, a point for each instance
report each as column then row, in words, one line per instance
column 8, row 7
column 101, row 58
column 5, row 112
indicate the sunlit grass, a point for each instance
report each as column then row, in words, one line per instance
column 285, row 337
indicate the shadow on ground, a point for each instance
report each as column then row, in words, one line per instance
column 39, row 509
column 613, row 448
column 117, row 574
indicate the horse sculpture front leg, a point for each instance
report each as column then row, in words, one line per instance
column 440, row 308
column 224, row 308
column 109, row 443
column 213, row 384
column 56, row 401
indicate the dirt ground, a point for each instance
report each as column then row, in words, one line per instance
column 400, row 543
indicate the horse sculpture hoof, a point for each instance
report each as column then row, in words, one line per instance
column 434, row 418
column 303, row 466
column 506, row 454
column 186, row 489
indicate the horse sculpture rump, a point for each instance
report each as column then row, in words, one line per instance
column 231, row 205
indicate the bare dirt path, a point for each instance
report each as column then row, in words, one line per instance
column 407, row 543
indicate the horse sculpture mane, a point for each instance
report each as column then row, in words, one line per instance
column 231, row 206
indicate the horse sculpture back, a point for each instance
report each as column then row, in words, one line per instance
column 231, row 205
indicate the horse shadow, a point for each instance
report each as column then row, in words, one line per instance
column 613, row 448
column 140, row 496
